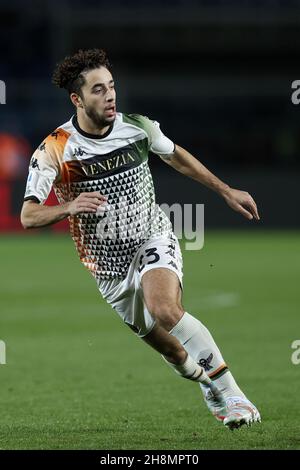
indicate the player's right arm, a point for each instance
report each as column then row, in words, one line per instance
column 44, row 170
column 35, row 215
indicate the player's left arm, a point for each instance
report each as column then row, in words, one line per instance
column 185, row 163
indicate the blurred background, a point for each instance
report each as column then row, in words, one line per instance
column 216, row 74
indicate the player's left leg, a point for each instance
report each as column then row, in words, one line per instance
column 183, row 364
column 165, row 307
column 162, row 295
column 200, row 344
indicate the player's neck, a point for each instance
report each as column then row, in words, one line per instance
column 88, row 126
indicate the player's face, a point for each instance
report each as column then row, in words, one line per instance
column 99, row 97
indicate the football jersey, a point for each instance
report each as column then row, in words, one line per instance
column 115, row 164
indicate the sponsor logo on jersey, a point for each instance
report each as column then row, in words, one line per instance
column 108, row 164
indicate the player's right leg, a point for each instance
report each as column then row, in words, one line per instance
column 183, row 364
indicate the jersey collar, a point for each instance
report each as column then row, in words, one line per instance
column 86, row 134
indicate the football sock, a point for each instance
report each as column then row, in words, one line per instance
column 200, row 345
column 190, row 370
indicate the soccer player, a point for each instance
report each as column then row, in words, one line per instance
column 97, row 163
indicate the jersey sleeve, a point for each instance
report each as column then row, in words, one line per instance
column 43, row 172
column 159, row 143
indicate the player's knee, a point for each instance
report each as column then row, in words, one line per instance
column 167, row 315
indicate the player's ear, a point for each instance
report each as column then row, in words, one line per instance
column 76, row 100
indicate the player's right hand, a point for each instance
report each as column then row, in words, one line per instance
column 86, row 203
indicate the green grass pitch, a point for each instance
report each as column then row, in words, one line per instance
column 77, row 378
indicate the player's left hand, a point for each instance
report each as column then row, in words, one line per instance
column 242, row 202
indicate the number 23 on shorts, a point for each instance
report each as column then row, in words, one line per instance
column 151, row 257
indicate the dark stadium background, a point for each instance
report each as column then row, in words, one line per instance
column 217, row 75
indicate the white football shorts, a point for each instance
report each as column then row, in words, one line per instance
column 126, row 295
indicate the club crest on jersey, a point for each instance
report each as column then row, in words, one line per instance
column 205, row 363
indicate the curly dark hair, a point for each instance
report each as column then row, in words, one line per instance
column 68, row 73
